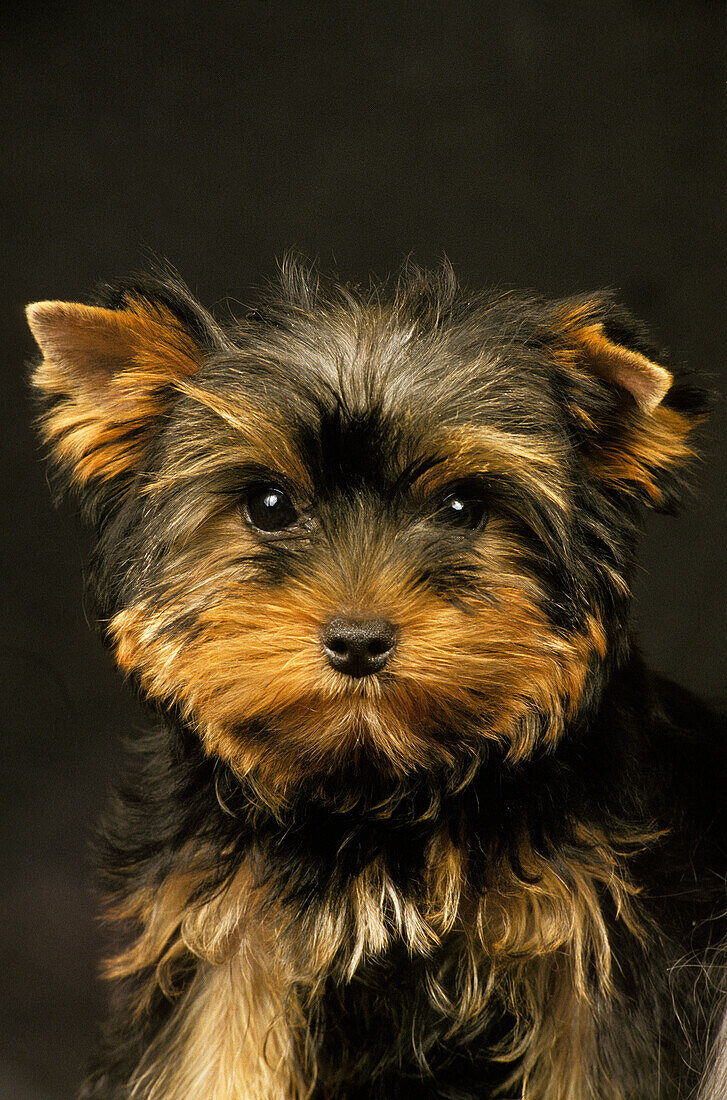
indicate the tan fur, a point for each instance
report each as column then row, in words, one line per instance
column 229, row 1038
column 646, row 381
column 472, row 452
column 501, row 652
column 255, row 434
column 646, row 437
column 239, row 1032
column 640, row 447
column 109, row 368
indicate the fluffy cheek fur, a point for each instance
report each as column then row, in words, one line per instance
column 243, row 660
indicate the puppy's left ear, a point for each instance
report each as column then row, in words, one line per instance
column 632, row 418
column 106, row 380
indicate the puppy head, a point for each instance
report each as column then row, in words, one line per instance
column 390, row 528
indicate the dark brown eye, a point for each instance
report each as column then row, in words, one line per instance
column 464, row 506
column 270, row 509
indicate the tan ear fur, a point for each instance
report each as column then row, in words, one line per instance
column 634, row 439
column 646, row 381
column 103, row 375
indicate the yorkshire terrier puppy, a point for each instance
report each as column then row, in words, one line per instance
column 414, row 821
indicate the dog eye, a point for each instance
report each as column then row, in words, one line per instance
column 270, row 509
column 464, row 506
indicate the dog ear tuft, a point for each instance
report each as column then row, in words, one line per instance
column 633, row 420
column 105, row 380
column 647, row 382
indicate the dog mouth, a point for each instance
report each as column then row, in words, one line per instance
column 362, row 725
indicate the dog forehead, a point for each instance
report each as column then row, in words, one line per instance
column 366, row 398
column 369, row 367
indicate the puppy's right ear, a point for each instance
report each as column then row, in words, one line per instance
column 107, row 378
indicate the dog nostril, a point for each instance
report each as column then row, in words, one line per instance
column 358, row 647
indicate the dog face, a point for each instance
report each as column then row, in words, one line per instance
column 370, row 528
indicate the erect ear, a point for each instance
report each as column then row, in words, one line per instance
column 632, row 418
column 107, row 374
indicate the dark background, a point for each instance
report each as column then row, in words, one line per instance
column 562, row 146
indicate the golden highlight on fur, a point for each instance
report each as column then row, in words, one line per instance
column 135, row 353
column 235, row 1027
column 502, row 650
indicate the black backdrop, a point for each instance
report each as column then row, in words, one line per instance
column 563, row 146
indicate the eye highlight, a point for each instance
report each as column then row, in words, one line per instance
column 269, row 508
column 464, row 506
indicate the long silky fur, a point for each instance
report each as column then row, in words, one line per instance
column 497, row 869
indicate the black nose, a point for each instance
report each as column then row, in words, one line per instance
column 358, row 647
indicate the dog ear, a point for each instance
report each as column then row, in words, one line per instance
column 107, row 376
column 631, row 417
